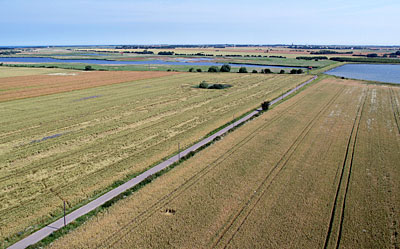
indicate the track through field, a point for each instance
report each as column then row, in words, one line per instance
column 119, row 234
column 241, row 217
column 334, row 232
column 395, row 108
column 142, row 217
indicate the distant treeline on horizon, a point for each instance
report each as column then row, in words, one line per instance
column 172, row 46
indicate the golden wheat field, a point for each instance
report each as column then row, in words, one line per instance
column 318, row 171
column 72, row 146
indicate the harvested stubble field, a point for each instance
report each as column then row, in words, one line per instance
column 65, row 81
column 318, row 171
column 69, row 146
column 18, row 71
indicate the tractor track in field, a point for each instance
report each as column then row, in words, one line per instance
column 115, row 138
column 252, row 202
column 395, row 108
column 392, row 214
column 166, row 199
column 88, row 148
column 341, row 191
column 44, row 232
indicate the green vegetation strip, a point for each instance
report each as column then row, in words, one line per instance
column 366, row 60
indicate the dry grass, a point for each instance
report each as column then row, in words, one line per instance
column 318, row 169
column 256, row 51
column 73, row 145
column 56, row 82
column 24, row 71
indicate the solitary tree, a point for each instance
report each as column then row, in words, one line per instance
column 88, row 68
column 254, row 71
column 265, row 105
column 191, row 69
column 225, row 68
column 267, row 70
column 293, row 71
column 299, row 71
column 242, row 70
column 199, row 70
column 282, row 71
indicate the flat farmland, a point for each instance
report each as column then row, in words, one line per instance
column 73, row 145
column 24, row 71
column 317, row 171
column 58, row 81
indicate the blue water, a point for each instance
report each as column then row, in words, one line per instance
column 150, row 62
column 374, row 72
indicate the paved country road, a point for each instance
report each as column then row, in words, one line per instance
column 46, row 231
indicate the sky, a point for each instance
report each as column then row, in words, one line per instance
column 105, row 22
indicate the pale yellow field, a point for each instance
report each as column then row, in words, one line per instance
column 251, row 51
column 71, row 146
column 25, row 71
column 320, row 170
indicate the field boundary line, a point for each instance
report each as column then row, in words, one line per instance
column 92, row 205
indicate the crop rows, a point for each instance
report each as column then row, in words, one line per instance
column 317, row 171
column 54, row 148
column 19, row 87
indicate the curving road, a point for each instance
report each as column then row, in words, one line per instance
column 46, row 231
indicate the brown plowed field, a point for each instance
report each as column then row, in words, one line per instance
column 37, row 85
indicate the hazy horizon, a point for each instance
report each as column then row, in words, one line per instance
column 88, row 22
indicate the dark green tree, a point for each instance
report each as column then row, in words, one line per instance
column 265, row 105
column 267, row 70
column 213, row 69
column 225, row 68
column 203, row 85
column 242, row 70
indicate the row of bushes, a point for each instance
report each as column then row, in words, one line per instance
column 311, row 58
column 366, row 60
column 296, row 71
column 227, row 68
column 205, row 85
column 10, row 52
column 195, row 70
column 330, row 52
